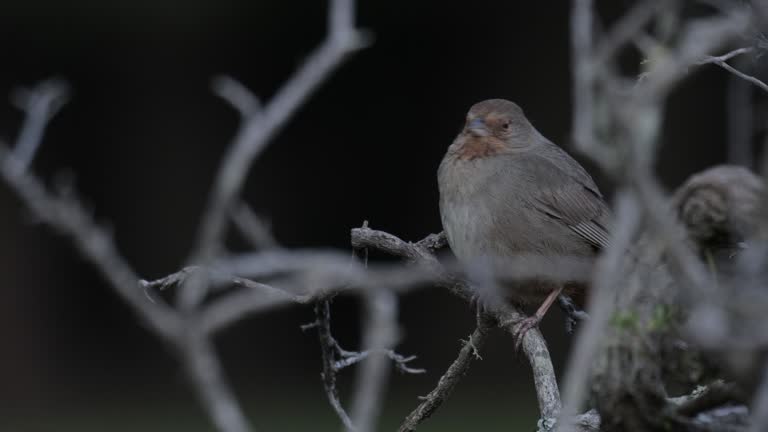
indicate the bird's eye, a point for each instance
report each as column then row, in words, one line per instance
column 506, row 126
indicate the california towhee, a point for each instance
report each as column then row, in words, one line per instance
column 507, row 194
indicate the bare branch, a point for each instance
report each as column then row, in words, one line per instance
column 379, row 334
column 760, row 405
column 705, row 398
column 349, row 358
column 40, row 104
column 205, row 370
column 727, row 56
column 253, row 228
column 587, row 342
column 622, row 137
column 188, row 334
column 434, row 242
column 237, row 95
column 415, row 253
column 67, row 216
column 234, row 307
column 628, row 28
column 544, row 378
column 697, row 40
column 256, row 131
column 329, row 347
column 336, row 358
column 722, row 62
column 583, row 80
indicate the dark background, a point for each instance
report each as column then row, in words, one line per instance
column 142, row 138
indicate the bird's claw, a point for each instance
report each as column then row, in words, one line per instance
column 522, row 327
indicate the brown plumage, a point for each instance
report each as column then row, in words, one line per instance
column 510, row 197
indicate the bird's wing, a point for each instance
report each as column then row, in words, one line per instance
column 557, row 186
column 568, row 194
column 576, row 206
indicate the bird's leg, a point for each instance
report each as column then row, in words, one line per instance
column 523, row 326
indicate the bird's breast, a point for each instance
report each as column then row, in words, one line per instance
column 467, row 217
column 486, row 212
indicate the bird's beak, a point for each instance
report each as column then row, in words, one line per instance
column 478, row 128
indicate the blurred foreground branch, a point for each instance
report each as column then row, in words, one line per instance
column 645, row 290
column 183, row 329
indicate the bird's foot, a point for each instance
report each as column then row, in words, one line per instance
column 522, row 327
column 573, row 314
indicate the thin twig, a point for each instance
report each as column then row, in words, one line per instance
column 335, row 358
column 722, row 63
column 727, row 56
column 445, row 387
column 349, row 358
column 328, row 347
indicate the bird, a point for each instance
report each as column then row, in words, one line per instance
column 509, row 195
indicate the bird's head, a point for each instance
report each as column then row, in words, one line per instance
column 497, row 118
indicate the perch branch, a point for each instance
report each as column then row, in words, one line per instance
column 534, row 346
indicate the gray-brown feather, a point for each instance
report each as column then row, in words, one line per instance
column 535, row 201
